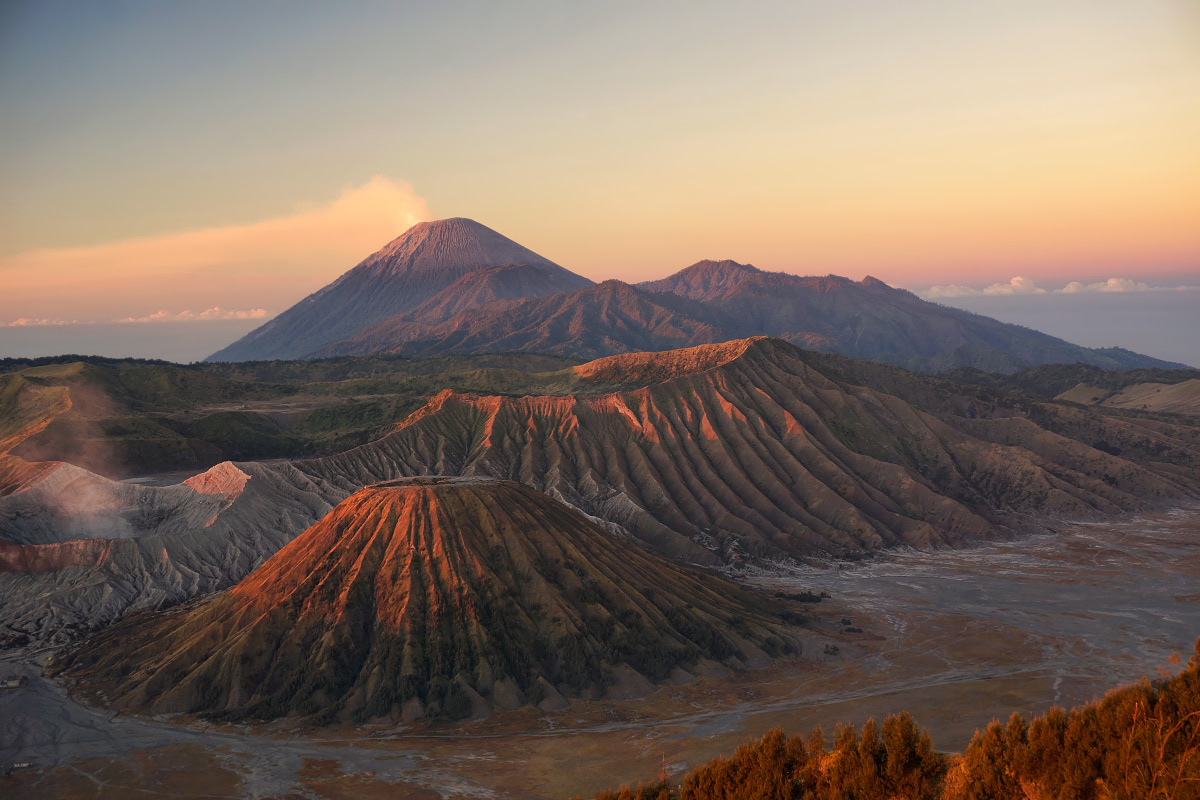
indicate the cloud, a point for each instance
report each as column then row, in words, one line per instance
column 1025, row 287
column 214, row 313
column 26, row 322
column 1017, row 286
column 269, row 264
column 1110, row 285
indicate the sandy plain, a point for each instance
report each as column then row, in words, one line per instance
column 957, row 637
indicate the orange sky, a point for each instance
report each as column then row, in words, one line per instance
column 198, row 158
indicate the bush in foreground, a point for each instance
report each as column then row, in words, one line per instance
column 1139, row 742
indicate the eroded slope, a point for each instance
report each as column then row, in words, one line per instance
column 432, row 596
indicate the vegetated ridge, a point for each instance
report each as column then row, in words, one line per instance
column 131, row 417
column 435, row 596
column 1139, row 742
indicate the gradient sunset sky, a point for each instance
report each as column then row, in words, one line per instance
column 172, row 160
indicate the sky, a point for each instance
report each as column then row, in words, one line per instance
column 172, row 163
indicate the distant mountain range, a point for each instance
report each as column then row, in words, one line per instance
column 455, row 286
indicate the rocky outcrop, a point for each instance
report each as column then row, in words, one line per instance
column 224, row 479
column 70, row 568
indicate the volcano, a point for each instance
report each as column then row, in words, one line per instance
column 434, row 596
column 412, row 269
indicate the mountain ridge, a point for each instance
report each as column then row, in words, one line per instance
column 416, row 296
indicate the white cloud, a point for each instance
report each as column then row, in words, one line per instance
column 1018, row 285
column 26, row 322
column 1110, row 285
column 214, row 313
column 1021, row 286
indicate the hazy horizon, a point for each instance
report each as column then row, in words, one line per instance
column 1162, row 324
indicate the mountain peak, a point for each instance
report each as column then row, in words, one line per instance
column 457, row 244
column 705, row 280
column 406, row 272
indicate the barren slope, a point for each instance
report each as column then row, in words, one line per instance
column 1172, row 398
column 78, row 551
column 432, row 596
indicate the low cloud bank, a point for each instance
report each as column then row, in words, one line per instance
column 1022, row 286
column 209, row 314
column 28, row 322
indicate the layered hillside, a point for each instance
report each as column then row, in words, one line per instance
column 432, row 596
column 410, row 270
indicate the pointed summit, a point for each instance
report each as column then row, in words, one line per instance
column 434, row 596
column 405, row 273
column 458, row 245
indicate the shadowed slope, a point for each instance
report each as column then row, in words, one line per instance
column 508, row 282
column 438, row 596
column 610, row 317
column 410, row 270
